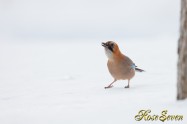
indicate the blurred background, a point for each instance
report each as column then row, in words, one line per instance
column 83, row 19
column 45, row 78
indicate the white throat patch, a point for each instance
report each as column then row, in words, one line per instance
column 108, row 53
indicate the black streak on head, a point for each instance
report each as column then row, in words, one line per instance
column 109, row 45
column 110, row 48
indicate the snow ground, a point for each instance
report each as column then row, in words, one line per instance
column 63, row 83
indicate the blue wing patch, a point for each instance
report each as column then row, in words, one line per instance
column 133, row 66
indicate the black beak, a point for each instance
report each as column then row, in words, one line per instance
column 103, row 44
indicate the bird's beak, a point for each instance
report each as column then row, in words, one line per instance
column 103, row 44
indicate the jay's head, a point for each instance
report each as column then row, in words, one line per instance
column 111, row 48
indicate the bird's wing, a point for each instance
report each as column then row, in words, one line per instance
column 132, row 64
column 129, row 61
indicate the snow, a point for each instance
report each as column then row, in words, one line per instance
column 62, row 82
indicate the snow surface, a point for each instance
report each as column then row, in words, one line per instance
column 63, row 83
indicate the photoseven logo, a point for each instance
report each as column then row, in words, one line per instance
column 146, row 116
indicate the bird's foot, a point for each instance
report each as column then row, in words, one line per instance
column 110, row 86
column 127, row 86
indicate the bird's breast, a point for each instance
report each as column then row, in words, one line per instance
column 120, row 70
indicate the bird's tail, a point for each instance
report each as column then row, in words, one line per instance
column 139, row 70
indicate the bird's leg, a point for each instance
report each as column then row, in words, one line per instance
column 128, row 84
column 110, row 86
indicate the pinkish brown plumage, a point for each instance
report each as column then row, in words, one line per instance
column 120, row 66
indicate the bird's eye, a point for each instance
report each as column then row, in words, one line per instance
column 112, row 45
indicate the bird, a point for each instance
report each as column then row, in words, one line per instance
column 120, row 66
